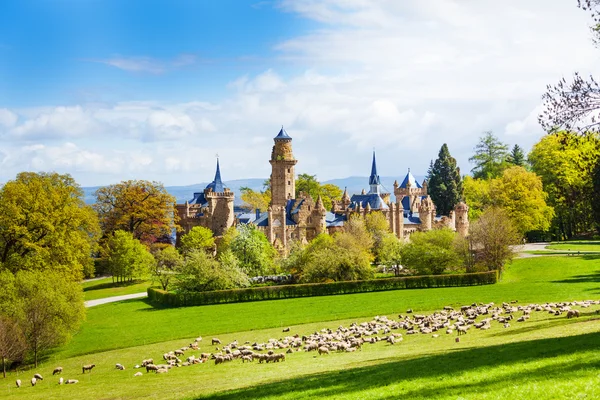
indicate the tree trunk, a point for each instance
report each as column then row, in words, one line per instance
column 3, row 367
column 35, row 351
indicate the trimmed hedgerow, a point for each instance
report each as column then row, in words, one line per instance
column 163, row 298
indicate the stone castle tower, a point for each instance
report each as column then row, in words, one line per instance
column 461, row 215
column 283, row 183
column 211, row 208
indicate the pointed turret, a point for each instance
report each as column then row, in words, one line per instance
column 217, row 184
column 282, row 135
column 345, row 197
column 374, row 181
column 319, row 205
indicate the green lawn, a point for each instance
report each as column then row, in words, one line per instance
column 575, row 246
column 526, row 280
column 106, row 288
column 546, row 357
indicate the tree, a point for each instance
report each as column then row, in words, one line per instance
column 493, row 235
column 596, row 194
column 516, row 156
column 198, row 238
column 253, row 250
column 225, row 243
column 444, row 182
column 378, row 227
column 202, row 272
column 168, row 262
column 142, row 208
column 477, row 194
column 432, row 252
column 47, row 308
column 574, row 106
column 521, row 195
column 12, row 342
column 45, row 225
column 257, row 200
column 389, row 253
column 565, row 161
column 310, row 185
column 127, row 257
column 490, row 157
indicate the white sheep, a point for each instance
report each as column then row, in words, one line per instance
column 57, row 370
column 38, row 377
column 61, row 380
column 120, row 367
column 138, row 374
column 33, row 381
column 18, row 383
column 71, row 381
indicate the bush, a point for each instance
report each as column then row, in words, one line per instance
column 179, row 299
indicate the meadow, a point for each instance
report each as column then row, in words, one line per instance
column 575, row 246
column 101, row 288
column 545, row 357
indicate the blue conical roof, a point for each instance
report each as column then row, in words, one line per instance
column 282, row 135
column 374, row 178
column 217, row 184
column 410, row 178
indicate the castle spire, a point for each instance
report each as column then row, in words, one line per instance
column 374, row 181
column 217, row 184
column 345, row 197
column 319, row 205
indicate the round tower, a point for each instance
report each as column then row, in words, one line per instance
column 283, row 176
column 426, row 213
column 461, row 217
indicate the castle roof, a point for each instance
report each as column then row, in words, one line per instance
column 410, row 178
column 217, row 184
column 282, row 135
column 374, row 201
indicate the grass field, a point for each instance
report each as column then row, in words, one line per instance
column 575, row 246
column 545, row 357
column 106, row 288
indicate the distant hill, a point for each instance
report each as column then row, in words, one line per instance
column 182, row 193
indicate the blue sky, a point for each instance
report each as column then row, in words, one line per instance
column 113, row 90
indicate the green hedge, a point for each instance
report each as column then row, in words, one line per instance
column 160, row 297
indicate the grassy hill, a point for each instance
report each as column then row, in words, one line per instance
column 545, row 357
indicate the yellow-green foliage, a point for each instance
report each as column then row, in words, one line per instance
column 45, row 225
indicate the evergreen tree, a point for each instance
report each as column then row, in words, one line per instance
column 490, row 157
column 445, row 183
column 516, row 156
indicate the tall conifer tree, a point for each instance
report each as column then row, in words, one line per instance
column 445, row 183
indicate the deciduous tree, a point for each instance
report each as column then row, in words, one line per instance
column 12, row 342
column 310, row 185
column 521, row 195
column 139, row 207
column 127, row 257
column 45, row 225
column 253, row 250
column 565, row 161
column 198, row 238
column 493, row 235
column 202, row 272
column 167, row 264
column 47, row 308
column 444, row 182
column 432, row 252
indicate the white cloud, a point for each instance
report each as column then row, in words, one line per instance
column 7, row 118
column 148, row 64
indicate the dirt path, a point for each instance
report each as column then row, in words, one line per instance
column 97, row 302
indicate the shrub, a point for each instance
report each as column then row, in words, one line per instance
column 179, row 299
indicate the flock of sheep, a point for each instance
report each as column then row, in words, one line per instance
column 351, row 338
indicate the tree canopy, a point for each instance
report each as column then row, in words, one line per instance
column 45, row 225
column 516, row 156
column 202, row 272
column 432, row 252
column 253, row 250
column 490, row 156
column 143, row 208
column 198, row 238
column 444, row 182
column 521, row 195
column 310, row 185
column 127, row 257
column 565, row 161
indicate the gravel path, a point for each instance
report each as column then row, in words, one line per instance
column 97, row 302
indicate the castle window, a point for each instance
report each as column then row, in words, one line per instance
column 289, row 170
column 289, row 182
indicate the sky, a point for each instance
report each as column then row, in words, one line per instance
column 146, row 89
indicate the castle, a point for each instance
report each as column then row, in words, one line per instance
column 290, row 217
